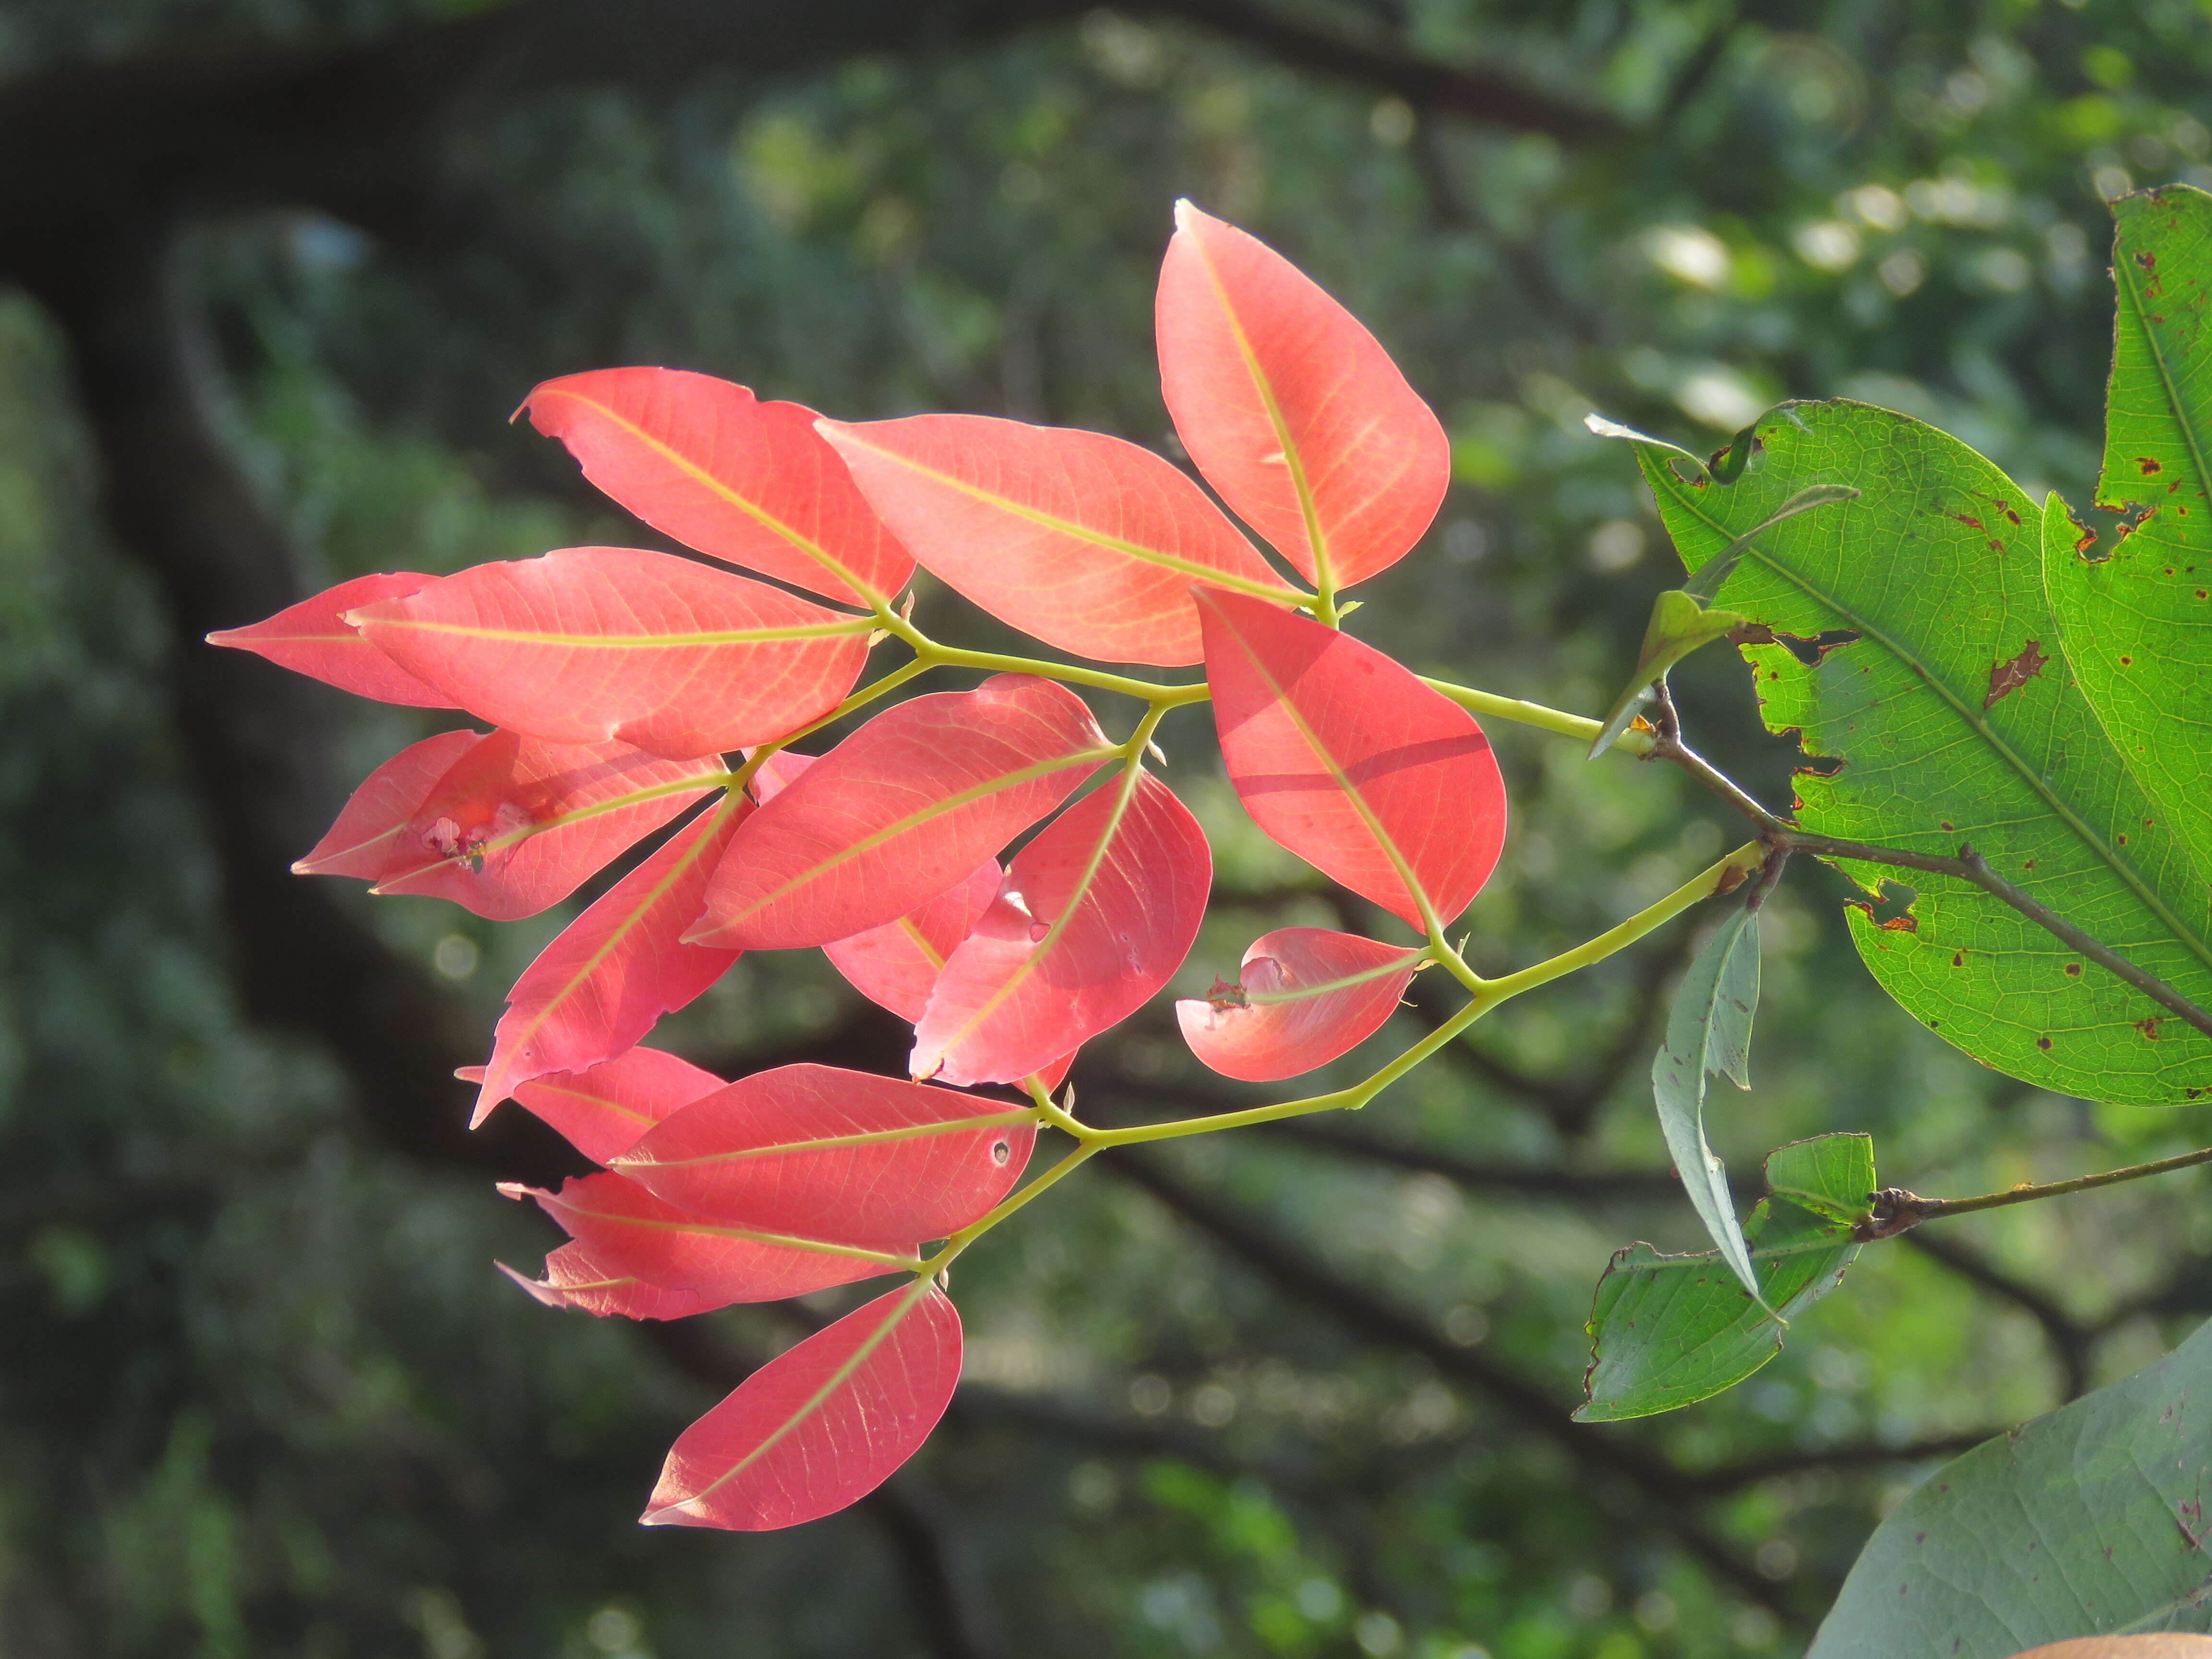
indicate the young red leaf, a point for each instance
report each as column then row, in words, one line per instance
column 896, row 964
column 599, row 986
column 836, row 1155
column 1291, row 409
column 314, row 638
column 749, row 483
column 359, row 843
column 517, row 824
column 1304, row 996
column 1348, row 760
column 606, row 644
column 628, row 1231
column 573, row 1279
column 1096, row 914
column 901, row 811
column 822, row 1425
column 1087, row 542
column 604, row 1108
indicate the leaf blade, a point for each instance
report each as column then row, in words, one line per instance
column 1709, row 1030
column 602, row 1110
column 1304, row 996
column 314, row 638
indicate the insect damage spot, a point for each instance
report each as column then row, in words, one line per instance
column 2008, row 676
column 2043, row 1042
column 1822, row 766
column 2148, row 1027
column 2150, row 465
column 1226, row 993
column 1810, row 650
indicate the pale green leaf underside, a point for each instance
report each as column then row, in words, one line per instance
column 1709, row 1030
column 2084, row 1522
column 1936, row 568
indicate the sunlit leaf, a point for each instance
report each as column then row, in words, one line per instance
column 516, row 825
column 896, row 964
column 831, row 1154
column 1291, row 409
column 1302, row 996
column 314, row 638
column 1348, row 760
column 750, row 483
column 602, row 1110
column 360, row 842
column 1096, row 914
column 573, row 1279
column 902, row 810
column 616, row 644
column 600, row 985
column 1087, row 542
column 820, row 1425
column 1709, row 1031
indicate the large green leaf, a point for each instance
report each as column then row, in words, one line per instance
column 1917, row 654
column 2087, row 1522
column 2137, row 617
column 1671, row 1330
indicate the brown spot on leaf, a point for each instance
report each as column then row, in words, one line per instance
column 2150, row 465
column 2073, row 970
column 2149, row 1027
column 2043, row 1042
column 2146, row 259
column 2007, row 676
column 2085, row 540
column 1907, row 923
column 1968, row 519
column 1958, row 959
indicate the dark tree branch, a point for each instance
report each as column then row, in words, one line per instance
column 2070, row 1339
column 1750, row 1471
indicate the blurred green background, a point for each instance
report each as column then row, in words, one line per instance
column 278, row 271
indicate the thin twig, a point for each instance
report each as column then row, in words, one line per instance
column 1895, row 1210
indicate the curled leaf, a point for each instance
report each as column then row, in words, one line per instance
column 1709, row 1030
column 1303, row 996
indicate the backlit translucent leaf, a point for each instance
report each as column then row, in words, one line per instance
column 836, row 1155
column 359, row 843
column 612, row 972
column 517, row 824
column 1709, row 1030
column 1303, row 996
column 573, row 1279
column 901, row 811
column 750, row 483
column 2087, row 1522
column 628, row 1231
column 1291, row 409
column 1096, row 914
column 1348, row 760
column 608, row 644
column 896, row 964
column 605, row 1108
column 314, row 638
column 1915, row 650
column 1087, row 542
column 1671, row 1330
column 2135, row 612
column 821, row 1425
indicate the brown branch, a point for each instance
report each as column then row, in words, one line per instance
column 2070, row 1339
column 1863, row 1455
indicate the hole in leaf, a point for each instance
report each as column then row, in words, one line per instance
column 1810, row 651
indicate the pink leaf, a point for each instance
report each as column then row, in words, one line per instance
column 822, row 1425
column 1096, row 914
column 606, row 644
column 360, row 842
column 599, row 986
column 628, row 1231
column 778, row 773
column 517, row 824
column 896, row 964
column 1087, row 542
column 1348, row 760
column 1291, row 409
column 573, row 1279
column 1305, row 995
column 749, row 483
column 313, row 638
column 836, row 1155
column 901, row 811
column 605, row 1108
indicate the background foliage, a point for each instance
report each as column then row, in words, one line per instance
column 1291, row 1392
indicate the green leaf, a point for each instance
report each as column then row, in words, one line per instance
column 2089, row 1521
column 2137, row 617
column 1671, row 1330
column 1709, row 1030
column 1680, row 624
column 1916, row 653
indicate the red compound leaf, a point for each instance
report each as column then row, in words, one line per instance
column 1095, row 916
column 821, row 1425
column 627, row 1231
column 1291, row 409
column 573, row 1279
column 518, row 824
column 1087, row 542
column 599, row 986
column 604, row 1108
column 705, row 461
column 360, row 842
column 900, row 812
column 314, row 638
column 608, row 644
column 836, row 1155
column 1348, row 760
column 1304, row 996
